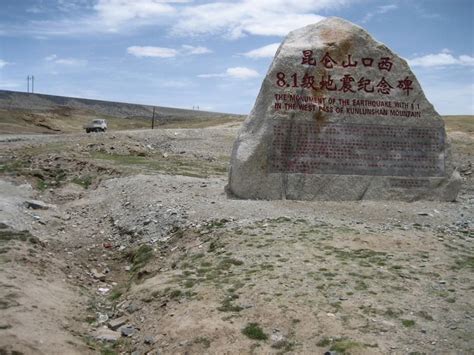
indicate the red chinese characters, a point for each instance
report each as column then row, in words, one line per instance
column 385, row 64
column 349, row 62
column 308, row 58
column 384, row 87
column 347, row 83
column 328, row 84
column 367, row 62
column 308, row 82
column 344, row 82
column 363, row 84
column 328, row 62
column 405, row 85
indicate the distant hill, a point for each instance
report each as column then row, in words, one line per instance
column 22, row 100
column 38, row 113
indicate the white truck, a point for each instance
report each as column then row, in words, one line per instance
column 96, row 126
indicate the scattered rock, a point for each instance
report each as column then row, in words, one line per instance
column 149, row 339
column 97, row 275
column 37, row 205
column 102, row 318
column 128, row 330
column 115, row 324
column 132, row 307
column 103, row 290
column 105, row 334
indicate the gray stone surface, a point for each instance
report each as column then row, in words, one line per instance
column 116, row 323
column 340, row 116
column 105, row 334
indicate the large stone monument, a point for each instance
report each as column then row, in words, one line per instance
column 340, row 116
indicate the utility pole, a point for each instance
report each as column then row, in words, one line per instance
column 153, row 119
column 32, row 78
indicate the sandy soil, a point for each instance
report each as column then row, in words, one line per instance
column 136, row 234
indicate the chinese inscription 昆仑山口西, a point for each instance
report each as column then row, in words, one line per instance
column 348, row 82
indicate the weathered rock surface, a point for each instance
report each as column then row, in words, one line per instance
column 341, row 117
column 105, row 334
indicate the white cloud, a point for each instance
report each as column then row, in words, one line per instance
column 206, row 76
column 264, row 17
column 148, row 51
column 53, row 58
column 263, row 52
column 3, row 63
column 162, row 52
column 187, row 49
column 242, row 73
column 115, row 13
column 71, row 61
column 231, row 19
column 379, row 11
column 444, row 58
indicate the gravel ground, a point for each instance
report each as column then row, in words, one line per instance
column 141, row 246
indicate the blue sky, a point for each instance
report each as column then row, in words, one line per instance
column 214, row 54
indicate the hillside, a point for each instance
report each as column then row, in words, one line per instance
column 37, row 113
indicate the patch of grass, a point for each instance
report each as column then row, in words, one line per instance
column 205, row 342
column 41, row 185
column 84, row 181
column 463, row 261
column 9, row 301
column 283, row 345
column 189, row 283
column 425, row 315
column 173, row 164
column 342, row 345
column 361, row 285
column 217, row 223
column 228, row 305
column 324, row 342
column 115, row 294
column 107, row 351
column 226, row 263
column 459, row 123
column 392, row 313
column 140, row 256
column 175, row 294
column 13, row 167
column 267, row 266
column 7, row 234
column 201, row 122
column 408, row 323
column 280, row 220
column 253, row 331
